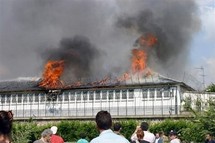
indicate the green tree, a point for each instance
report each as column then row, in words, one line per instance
column 211, row 88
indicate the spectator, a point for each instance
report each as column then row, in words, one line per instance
column 45, row 136
column 104, row 123
column 83, row 138
column 6, row 118
column 209, row 138
column 56, row 138
column 117, row 129
column 159, row 137
column 148, row 136
column 173, row 137
column 140, row 135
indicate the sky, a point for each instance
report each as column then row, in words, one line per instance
column 27, row 29
column 203, row 44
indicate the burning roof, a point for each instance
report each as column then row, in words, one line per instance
column 33, row 85
column 56, row 65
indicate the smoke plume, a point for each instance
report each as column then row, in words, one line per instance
column 108, row 31
column 172, row 22
column 78, row 55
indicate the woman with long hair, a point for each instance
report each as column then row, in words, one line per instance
column 6, row 119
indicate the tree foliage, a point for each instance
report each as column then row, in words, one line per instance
column 211, row 88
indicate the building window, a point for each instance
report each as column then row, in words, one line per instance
column 145, row 93
column 124, row 94
column 36, row 97
column 8, row 98
column 91, row 96
column 31, row 97
column 72, row 96
column 131, row 93
column 84, row 95
column 25, row 98
column 2, row 98
column 117, row 94
column 78, row 95
column 13, row 98
column 66, row 96
column 159, row 93
column 98, row 95
column 152, row 93
column 60, row 97
column 104, row 94
column 166, row 93
column 110, row 94
column 19, row 98
column 42, row 97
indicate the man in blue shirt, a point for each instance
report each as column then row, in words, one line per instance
column 104, row 123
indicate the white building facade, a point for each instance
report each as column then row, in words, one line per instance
column 161, row 98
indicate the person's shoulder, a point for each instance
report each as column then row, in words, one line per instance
column 175, row 141
column 95, row 140
column 122, row 138
column 82, row 141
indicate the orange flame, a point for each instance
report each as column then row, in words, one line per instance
column 148, row 40
column 52, row 73
column 138, row 60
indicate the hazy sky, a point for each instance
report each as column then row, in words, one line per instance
column 203, row 43
column 29, row 27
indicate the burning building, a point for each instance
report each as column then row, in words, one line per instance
column 139, row 92
column 70, row 86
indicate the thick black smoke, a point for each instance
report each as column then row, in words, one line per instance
column 28, row 24
column 173, row 22
column 78, row 55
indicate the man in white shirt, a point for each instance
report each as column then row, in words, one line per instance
column 148, row 136
column 173, row 137
column 104, row 123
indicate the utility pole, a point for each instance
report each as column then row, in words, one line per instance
column 202, row 75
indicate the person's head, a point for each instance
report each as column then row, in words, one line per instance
column 161, row 133
column 103, row 120
column 173, row 134
column 208, row 136
column 157, row 135
column 54, row 129
column 140, row 134
column 144, row 126
column 117, row 127
column 6, row 118
column 46, row 134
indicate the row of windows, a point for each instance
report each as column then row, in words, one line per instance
column 68, row 96
column 86, row 95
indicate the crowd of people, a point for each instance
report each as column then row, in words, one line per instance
column 104, row 124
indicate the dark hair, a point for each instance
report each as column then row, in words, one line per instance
column 173, row 133
column 117, row 126
column 144, row 126
column 6, row 118
column 161, row 133
column 103, row 120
